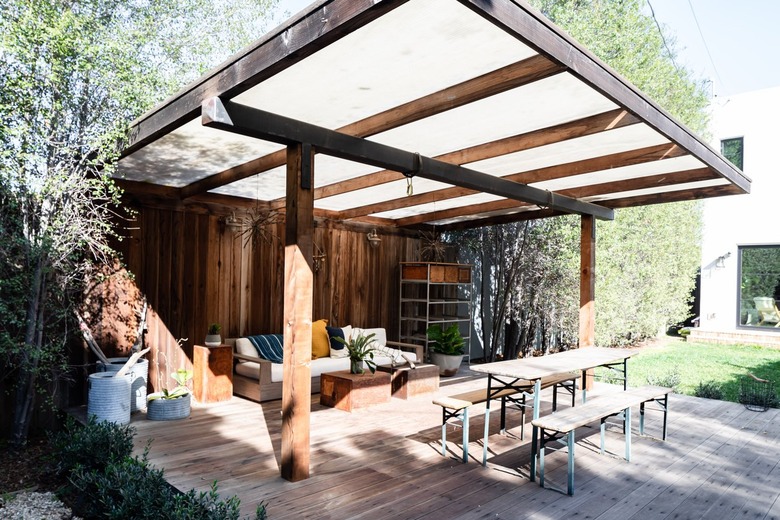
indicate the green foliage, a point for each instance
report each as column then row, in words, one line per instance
column 447, row 341
column 695, row 363
column 72, row 77
column 181, row 376
column 628, row 40
column 214, row 329
column 669, row 378
column 646, row 264
column 361, row 350
column 108, row 483
column 92, row 446
column 708, row 390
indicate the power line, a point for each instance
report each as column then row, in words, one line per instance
column 706, row 47
column 663, row 38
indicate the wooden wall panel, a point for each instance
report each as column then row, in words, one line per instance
column 194, row 271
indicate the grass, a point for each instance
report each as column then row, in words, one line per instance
column 693, row 364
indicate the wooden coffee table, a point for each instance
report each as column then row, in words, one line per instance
column 408, row 382
column 347, row 391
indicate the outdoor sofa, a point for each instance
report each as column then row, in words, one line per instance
column 260, row 379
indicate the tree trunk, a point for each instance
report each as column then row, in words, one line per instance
column 25, row 390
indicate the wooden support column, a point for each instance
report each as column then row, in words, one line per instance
column 298, row 302
column 587, row 336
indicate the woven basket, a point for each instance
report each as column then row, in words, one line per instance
column 168, row 409
column 139, row 375
column 109, row 397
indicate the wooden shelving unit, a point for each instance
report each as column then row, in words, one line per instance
column 434, row 293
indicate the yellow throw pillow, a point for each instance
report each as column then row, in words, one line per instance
column 320, row 343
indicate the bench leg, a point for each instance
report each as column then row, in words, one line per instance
column 487, row 432
column 444, row 432
column 666, row 411
column 628, row 433
column 465, row 435
column 641, row 418
column 535, row 430
column 570, row 466
column 522, row 420
column 555, row 398
column 541, row 460
column 603, row 430
column 502, row 430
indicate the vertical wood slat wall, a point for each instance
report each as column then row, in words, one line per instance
column 195, row 271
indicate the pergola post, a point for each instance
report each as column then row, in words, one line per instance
column 298, row 302
column 587, row 335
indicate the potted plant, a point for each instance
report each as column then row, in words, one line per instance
column 213, row 339
column 361, row 350
column 173, row 404
column 446, row 348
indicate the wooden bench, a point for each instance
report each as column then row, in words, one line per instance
column 457, row 406
column 560, row 427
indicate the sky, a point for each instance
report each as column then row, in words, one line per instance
column 733, row 46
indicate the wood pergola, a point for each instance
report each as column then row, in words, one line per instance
column 485, row 109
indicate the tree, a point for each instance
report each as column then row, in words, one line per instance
column 646, row 258
column 72, row 77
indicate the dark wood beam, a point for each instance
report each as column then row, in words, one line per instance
column 298, row 306
column 248, row 121
column 525, row 141
column 489, row 84
column 532, row 28
column 630, row 158
column 315, row 28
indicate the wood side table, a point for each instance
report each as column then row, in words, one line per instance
column 212, row 379
column 347, row 391
column 408, row 382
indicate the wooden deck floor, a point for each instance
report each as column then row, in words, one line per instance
column 720, row 461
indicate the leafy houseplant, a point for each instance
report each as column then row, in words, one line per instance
column 213, row 339
column 446, row 346
column 361, row 350
column 171, row 404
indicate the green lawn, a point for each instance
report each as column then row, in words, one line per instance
column 696, row 363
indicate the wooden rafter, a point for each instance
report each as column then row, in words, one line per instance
column 525, row 141
column 248, row 121
column 316, row 28
column 506, row 78
column 532, row 28
column 630, row 158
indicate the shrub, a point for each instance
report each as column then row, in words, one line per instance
column 107, row 482
column 91, row 446
column 670, row 379
column 709, row 390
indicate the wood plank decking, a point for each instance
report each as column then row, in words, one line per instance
column 720, row 461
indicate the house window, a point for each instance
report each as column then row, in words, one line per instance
column 759, row 286
column 733, row 150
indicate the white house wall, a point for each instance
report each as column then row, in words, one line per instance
column 740, row 220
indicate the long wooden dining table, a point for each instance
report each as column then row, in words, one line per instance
column 521, row 373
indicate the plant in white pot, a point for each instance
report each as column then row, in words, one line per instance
column 213, row 339
column 361, row 350
column 446, row 348
column 173, row 404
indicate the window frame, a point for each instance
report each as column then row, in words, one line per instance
column 738, row 317
column 723, row 144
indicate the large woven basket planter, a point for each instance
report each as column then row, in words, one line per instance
column 109, row 397
column 168, row 409
column 139, row 374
